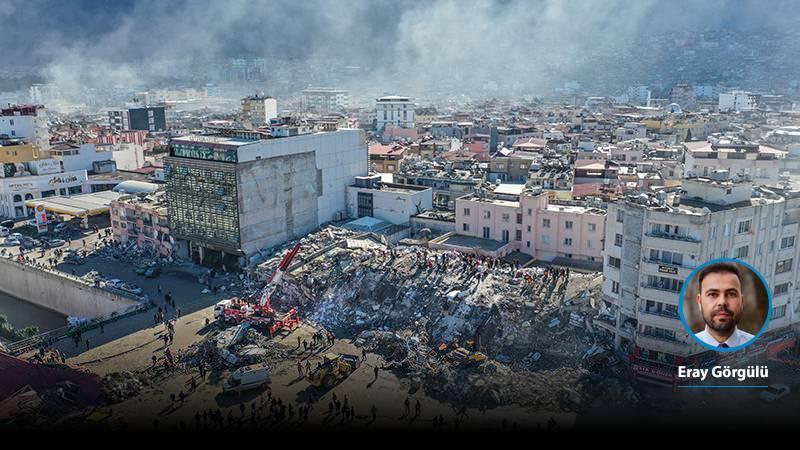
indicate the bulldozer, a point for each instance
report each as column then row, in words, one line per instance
column 463, row 357
column 333, row 370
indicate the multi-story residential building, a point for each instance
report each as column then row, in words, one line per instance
column 761, row 162
column 258, row 110
column 394, row 110
column 684, row 95
column 149, row 118
column 386, row 158
column 27, row 122
column 737, row 101
column 230, row 196
column 652, row 244
column 16, row 151
column 448, row 183
column 533, row 224
column 325, row 99
column 143, row 219
column 513, row 168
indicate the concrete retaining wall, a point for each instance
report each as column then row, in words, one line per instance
column 57, row 292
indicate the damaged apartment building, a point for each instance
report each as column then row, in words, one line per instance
column 447, row 181
column 654, row 241
column 235, row 193
column 511, row 217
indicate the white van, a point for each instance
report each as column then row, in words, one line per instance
column 248, row 377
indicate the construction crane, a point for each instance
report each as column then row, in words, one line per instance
column 262, row 312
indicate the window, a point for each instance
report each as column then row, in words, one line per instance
column 620, row 215
column 614, row 262
column 741, row 252
column 466, row 212
column 712, row 234
column 519, row 218
column 618, row 240
column 589, row 243
column 664, row 283
column 568, row 242
column 487, row 214
column 727, row 230
column 781, row 289
column 783, row 266
column 486, row 232
column 614, row 287
column 787, row 242
column 530, row 211
column 568, row 224
column 546, row 223
column 518, row 235
column 529, row 228
column 743, row 226
column 466, row 227
column 772, row 245
column 592, row 227
column 506, row 217
column 778, row 312
column 505, row 235
column 545, row 239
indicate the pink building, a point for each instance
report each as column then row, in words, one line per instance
column 498, row 224
column 142, row 220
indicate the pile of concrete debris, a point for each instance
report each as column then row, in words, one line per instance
column 119, row 386
column 452, row 298
column 233, row 347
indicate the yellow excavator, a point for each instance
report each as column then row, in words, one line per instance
column 335, row 367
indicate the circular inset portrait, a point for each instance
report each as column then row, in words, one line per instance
column 725, row 304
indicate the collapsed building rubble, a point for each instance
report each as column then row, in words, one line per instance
column 415, row 306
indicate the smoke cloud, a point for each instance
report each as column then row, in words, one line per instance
column 414, row 45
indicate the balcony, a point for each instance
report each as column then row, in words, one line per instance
column 679, row 244
column 671, row 236
column 663, row 344
column 658, row 293
column 661, row 267
column 658, row 319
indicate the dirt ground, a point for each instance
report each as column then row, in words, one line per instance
column 154, row 408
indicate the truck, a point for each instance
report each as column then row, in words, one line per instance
column 334, row 369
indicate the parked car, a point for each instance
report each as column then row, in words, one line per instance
column 4, row 231
column 29, row 243
column 115, row 283
column 74, row 258
column 59, row 227
column 775, row 392
column 10, row 242
column 248, row 377
column 16, row 236
column 8, row 224
column 53, row 242
column 152, row 272
column 141, row 269
column 131, row 288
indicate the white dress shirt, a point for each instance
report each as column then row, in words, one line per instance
column 736, row 339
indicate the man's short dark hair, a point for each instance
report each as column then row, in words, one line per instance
column 723, row 267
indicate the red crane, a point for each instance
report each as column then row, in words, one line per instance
column 262, row 312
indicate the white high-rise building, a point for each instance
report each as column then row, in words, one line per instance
column 737, row 101
column 394, row 110
column 654, row 242
column 27, row 122
column 324, row 99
